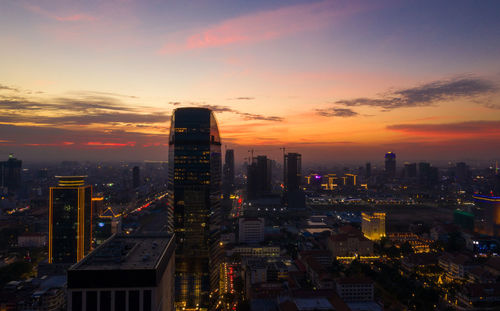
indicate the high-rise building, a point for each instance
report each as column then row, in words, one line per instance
column 462, row 173
column 294, row 196
column 195, row 201
column 127, row 272
column 487, row 218
column 259, row 177
column 410, row 170
column 70, row 220
column 228, row 174
column 390, row 164
column 136, row 177
column 10, row 173
column 373, row 225
column 368, row 170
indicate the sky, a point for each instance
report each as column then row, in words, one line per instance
column 334, row 80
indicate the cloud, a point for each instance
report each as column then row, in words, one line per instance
column 244, row 115
column 244, row 98
column 72, row 17
column 8, row 88
column 337, row 112
column 427, row 94
column 480, row 128
column 262, row 26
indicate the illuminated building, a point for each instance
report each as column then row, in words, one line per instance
column 194, row 187
column 487, row 220
column 107, row 224
column 228, row 274
column 228, row 174
column 294, row 196
column 70, row 220
column 127, row 272
column 373, row 225
column 10, row 173
column 136, row 177
column 390, row 164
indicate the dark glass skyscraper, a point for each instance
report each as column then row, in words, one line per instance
column 136, row 177
column 292, row 180
column 259, row 175
column 228, row 173
column 10, row 173
column 70, row 220
column 390, row 164
column 194, row 200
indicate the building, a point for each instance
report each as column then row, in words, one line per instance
column 293, row 193
column 194, row 187
column 390, row 164
column 487, row 220
column 349, row 245
column 251, row 230
column 355, row 289
column 410, row 170
column 107, row 224
column 228, row 173
column 254, row 251
column 35, row 239
column 70, row 220
column 456, row 266
column 10, row 173
column 128, row 272
column 373, row 225
column 368, row 170
column 136, row 177
column 259, row 176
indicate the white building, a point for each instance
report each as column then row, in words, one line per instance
column 251, row 230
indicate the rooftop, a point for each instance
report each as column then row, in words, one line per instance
column 125, row 252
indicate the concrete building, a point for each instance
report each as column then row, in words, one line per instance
column 355, row 289
column 251, row 230
column 125, row 273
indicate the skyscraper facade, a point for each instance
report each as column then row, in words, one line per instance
column 259, row 176
column 390, row 164
column 292, row 180
column 70, row 220
column 194, row 201
column 136, row 177
column 228, row 173
column 10, row 173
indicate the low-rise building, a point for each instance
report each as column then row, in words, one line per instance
column 359, row 289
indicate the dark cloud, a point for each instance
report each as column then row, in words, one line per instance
column 244, row 115
column 471, row 127
column 427, row 94
column 244, row 98
column 8, row 88
column 337, row 112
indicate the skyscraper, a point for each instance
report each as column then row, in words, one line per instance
column 70, row 220
column 228, row 173
column 194, row 200
column 136, row 177
column 10, row 173
column 258, row 177
column 390, row 164
column 292, row 181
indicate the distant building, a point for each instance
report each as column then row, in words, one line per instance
column 228, row 174
column 259, row 174
column 125, row 273
column 107, row 224
column 428, row 176
column 462, row 173
column 349, row 244
column 32, row 240
column 10, row 173
column 251, row 230
column 368, row 170
column 136, row 177
column 390, row 164
column 70, row 220
column 373, row 225
column 294, row 196
column 410, row 170
column 487, row 219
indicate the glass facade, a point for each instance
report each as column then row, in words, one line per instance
column 70, row 222
column 194, row 204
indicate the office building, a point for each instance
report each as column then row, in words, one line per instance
column 107, row 224
column 293, row 193
column 251, row 230
column 194, row 187
column 228, row 174
column 128, row 272
column 10, row 173
column 259, row 176
column 368, row 170
column 373, row 225
column 390, row 164
column 70, row 220
column 410, row 170
column 136, row 177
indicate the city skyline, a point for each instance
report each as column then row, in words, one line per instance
column 332, row 80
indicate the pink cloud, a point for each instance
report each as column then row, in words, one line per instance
column 262, row 26
column 76, row 17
